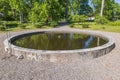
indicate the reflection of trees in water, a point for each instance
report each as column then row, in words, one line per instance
column 94, row 41
column 78, row 40
column 40, row 41
column 58, row 41
column 87, row 43
column 81, row 36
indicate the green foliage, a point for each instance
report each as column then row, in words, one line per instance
column 85, row 25
column 116, row 13
column 115, row 23
column 34, row 15
column 111, row 9
column 77, row 18
column 101, row 20
column 18, row 6
column 82, row 18
column 2, row 28
column 74, row 7
column 93, row 26
column 47, row 10
column 55, row 10
column 12, row 24
column 38, row 25
column 71, row 25
column 85, row 8
column 22, row 26
column 5, row 10
column 80, row 7
column 53, row 23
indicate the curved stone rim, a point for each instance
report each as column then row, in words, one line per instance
column 9, row 46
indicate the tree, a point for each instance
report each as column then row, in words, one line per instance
column 109, row 8
column 116, row 12
column 80, row 7
column 84, row 7
column 67, row 2
column 62, row 8
column 5, row 10
column 102, row 8
column 34, row 14
column 46, row 10
column 18, row 6
column 96, row 6
column 74, row 7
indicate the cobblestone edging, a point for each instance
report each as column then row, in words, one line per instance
column 60, row 55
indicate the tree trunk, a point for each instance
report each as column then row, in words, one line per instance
column 66, row 10
column 14, row 14
column 21, row 17
column 102, row 8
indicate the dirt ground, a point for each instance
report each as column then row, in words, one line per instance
column 106, row 67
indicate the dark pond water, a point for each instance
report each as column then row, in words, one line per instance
column 58, row 41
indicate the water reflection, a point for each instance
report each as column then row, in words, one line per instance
column 58, row 41
column 87, row 43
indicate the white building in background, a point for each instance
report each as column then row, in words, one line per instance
column 91, row 18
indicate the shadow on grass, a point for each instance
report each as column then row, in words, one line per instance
column 13, row 25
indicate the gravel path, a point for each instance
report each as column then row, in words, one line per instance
column 106, row 67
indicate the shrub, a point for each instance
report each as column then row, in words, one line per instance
column 85, row 26
column 22, row 26
column 82, row 18
column 2, row 28
column 77, row 18
column 12, row 24
column 37, row 25
column 71, row 25
column 101, row 20
column 53, row 24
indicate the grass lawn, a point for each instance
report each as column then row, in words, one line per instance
column 15, row 26
column 27, row 28
column 111, row 26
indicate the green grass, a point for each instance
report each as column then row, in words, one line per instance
column 16, row 26
column 27, row 28
column 111, row 27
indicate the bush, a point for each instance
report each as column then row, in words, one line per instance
column 37, row 25
column 85, row 26
column 71, row 25
column 12, row 24
column 77, row 18
column 53, row 24
column 22, row 26
column 101, row 20
column 2, row 28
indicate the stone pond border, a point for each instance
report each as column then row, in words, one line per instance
column 59, row 55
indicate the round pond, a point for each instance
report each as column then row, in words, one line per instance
column 59, row 41
column 59, row 45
